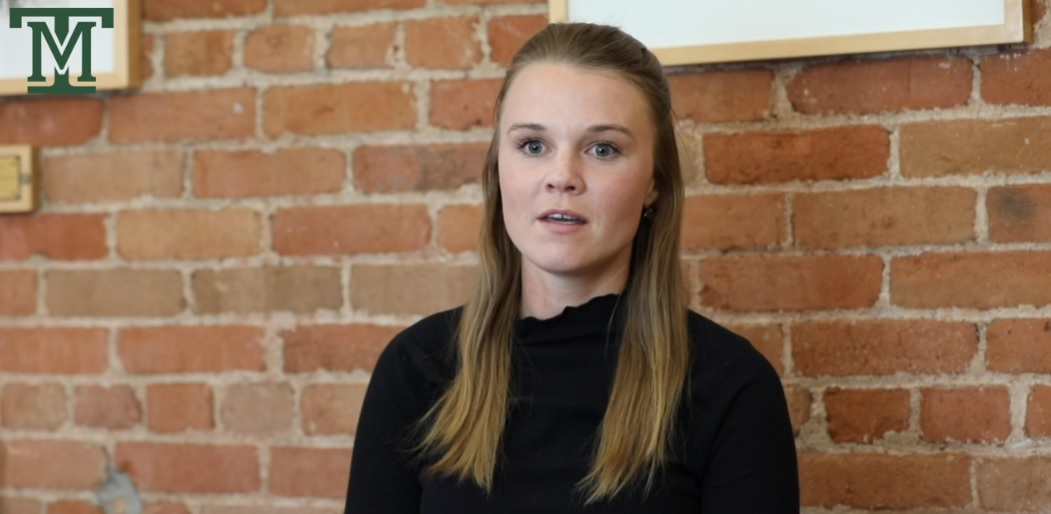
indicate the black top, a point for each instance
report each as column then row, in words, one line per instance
column 734, row 451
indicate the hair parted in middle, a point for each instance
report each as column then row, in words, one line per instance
column 464, row 428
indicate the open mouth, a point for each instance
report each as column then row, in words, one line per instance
column 563, row 218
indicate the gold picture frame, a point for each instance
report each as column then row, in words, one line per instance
column 117, row 51
column 694, row 49
column 19, row 180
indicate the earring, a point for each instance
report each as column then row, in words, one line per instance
column 649, row 212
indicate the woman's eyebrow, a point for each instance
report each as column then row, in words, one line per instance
column 616, row 128
column 526, row 126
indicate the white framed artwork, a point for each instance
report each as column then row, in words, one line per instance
column 706, row 31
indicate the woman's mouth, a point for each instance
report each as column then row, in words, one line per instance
column 563, row 217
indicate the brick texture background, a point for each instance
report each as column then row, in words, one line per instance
column 222, row 255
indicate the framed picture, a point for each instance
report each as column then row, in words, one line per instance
column 109, row 55
column 19, row 180
column 706, row 31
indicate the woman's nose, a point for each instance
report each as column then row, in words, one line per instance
column 565, row 176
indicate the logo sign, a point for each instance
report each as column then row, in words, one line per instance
column 72, row 26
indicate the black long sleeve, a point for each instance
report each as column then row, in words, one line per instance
column 735, row 450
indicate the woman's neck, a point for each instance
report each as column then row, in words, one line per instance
column 545, row 296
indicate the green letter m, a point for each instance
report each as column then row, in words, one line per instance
column 62, row 47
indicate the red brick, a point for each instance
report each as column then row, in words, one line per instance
column 261, row 409
column 280, row 49
column 331, row 408
column 71, row 237
column 212, row 349
column 12, row 505
column 488, row 2
column 113, row 408
column 1038, row 412
column 447, row 42
column 399, row 168
column 74, row 507
column 300, row 7
column 148, row 45
column 981, row 415
column 164, row 10
column 458, row 227
column 351, row 229
column 53, row 350
column 972, row 147
column 872, row 86
column 395, row 289
column 463, row 104
column 309, row 472
column 266, row 509
column 799, row 401
column 791, row 283
column 883, row 347
column 766, row 339
column 362, row 46
column 67, row 465
column 865, row 416
column 875, row 481
column 823, row 154
column 115, row 293
column 885, row 217
column 190, row 468
column 299, row 289
column 733, row 221
column 979, row 280
column 175, row 116
column 339, row 108
column 109, row 177
column 1019, row 214
column 718, row 96
column 201, row 53
column 1019, row 346
column 335, row 347
column 50, row 121
column 1017, row 78
column 33, row 406
column 250, row 173
column 165, row 507
column 179, row 407
column 1015, row 484
column 18, row 292
column 507, row 34
column 188, row 234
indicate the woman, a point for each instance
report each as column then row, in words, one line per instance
column 575, row 379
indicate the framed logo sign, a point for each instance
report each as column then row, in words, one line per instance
column 68, row 46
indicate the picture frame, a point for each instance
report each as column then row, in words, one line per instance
column 683, row 32
column 19, row 179
column 114, row 52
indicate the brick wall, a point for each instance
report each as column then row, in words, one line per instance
column 222, row 255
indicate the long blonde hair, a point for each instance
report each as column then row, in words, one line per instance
column 464, row 428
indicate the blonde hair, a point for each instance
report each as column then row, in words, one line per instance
column 464, row 428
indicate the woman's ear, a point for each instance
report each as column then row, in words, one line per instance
column 651, row 197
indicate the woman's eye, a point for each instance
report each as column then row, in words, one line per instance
column 532, row 147
column 604, row 150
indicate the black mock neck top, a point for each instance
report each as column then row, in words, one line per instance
column 733, row 450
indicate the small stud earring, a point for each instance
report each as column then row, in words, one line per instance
column 649, row 212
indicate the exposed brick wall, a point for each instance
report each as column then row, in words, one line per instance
column 222, row 255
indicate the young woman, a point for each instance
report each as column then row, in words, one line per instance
column 575, row 379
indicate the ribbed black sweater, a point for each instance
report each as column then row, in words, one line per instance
column 733, row 452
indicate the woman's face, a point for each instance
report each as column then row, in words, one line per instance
column 576, row 170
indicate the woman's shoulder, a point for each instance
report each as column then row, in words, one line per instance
column 423, row 350
column 719, row 354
